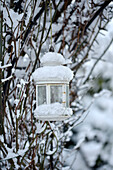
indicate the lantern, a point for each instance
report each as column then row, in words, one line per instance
column 52, row 88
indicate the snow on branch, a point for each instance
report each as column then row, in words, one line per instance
column 5, row 66
column 4, row 80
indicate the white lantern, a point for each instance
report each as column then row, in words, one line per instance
column 52, row 88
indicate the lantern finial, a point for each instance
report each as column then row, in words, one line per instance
column 51, row 49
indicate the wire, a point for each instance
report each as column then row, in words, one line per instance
column 51, row 20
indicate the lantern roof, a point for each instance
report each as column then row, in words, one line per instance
column 52, row 59
column 49, row 73
column 53, row 69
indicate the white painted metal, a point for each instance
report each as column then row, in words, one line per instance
column 51, row 82
column 48, row 83
column 53, row 118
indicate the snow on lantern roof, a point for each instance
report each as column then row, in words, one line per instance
column 52, row 58
column 53, row 73
column 52, row 69
column 52, row 111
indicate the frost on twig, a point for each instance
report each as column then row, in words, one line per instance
column 5, row 66
column 7, row 79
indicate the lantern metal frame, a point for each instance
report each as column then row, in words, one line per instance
column 52, row 103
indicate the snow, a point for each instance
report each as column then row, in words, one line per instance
column 20, row 73
column 53, row 73
column 6, row 79
column 111, row 156
column 37, row 8
column 97, row 128
column 104, row 92
column 98, row 117
column 88, row 149
column 11, row 14
column 22, row 151
column 52, row 58
column 52, row 70
column 40, row 128
column 66, row 168
column 79, row 143
column 18, row 114
column 16, row 101
column 71, row 158
column 51, row 152
column 12, row 155
column 99, row 123
column 23, row 61
column 111, row 4
column 19, row 85
column 5, row 66
column 52, row 110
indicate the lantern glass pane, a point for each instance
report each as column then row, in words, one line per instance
column 56, row 94
column 41, row 95
column 67, row 96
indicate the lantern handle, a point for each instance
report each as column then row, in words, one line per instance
column 51, row 20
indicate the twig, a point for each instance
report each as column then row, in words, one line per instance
column 104, row 5
column 98, row 61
